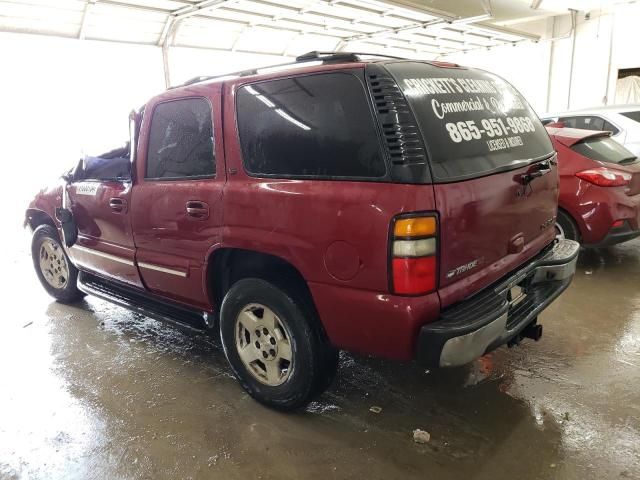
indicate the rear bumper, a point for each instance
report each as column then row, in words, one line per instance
column 597, row 208
column 469, row 329
column 617, row 235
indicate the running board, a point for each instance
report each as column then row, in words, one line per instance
column 143, row 302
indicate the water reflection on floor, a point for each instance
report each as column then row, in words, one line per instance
column 94, row 391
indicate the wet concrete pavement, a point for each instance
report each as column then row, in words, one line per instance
column 94, row 391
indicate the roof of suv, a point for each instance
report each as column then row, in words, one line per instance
column 319, row 60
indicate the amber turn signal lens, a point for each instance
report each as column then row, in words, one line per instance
column 415, row 227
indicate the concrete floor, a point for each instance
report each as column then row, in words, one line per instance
column 93, row 391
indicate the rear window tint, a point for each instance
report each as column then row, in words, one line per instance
column 635, row 116
column 604, row 149
column 318, row 126
column 473, row 122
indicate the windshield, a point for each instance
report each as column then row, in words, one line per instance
column 473, row 122
column 635, row 116
column 604, row 149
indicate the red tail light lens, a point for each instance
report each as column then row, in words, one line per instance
column 617, row 224
column 605, row 177
column 414, row 262
column 412, row 276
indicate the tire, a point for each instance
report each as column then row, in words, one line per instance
column 257, row 315
column 56, row 273
column 566, row 227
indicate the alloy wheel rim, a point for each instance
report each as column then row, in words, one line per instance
column 53, row 264
column 560, row 235
column 263, row 343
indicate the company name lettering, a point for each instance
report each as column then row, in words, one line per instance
column 432, row 86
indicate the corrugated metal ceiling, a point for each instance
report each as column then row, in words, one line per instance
column 258, row 26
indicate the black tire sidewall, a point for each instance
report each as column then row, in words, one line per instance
column 298, row 389
column 568, row 225
column 70, row 292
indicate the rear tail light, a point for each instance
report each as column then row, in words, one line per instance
column 414, row 265
column 617, row 224
column 605, row 177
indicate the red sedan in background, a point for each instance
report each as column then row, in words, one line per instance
column 599, row 202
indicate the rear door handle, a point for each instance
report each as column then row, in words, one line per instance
column 538, row 171
column 118, row 205
column 197, row 209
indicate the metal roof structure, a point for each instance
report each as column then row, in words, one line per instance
column 259, row 26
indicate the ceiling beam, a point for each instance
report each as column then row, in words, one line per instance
column 85, row 16
column 391, row 31
column 196, row 8
column 173, row 19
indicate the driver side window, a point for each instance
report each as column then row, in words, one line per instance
column 114, row 165
column 181, row 141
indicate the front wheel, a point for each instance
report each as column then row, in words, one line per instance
column 275, row 345
column 56, row 273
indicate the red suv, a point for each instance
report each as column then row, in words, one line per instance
column 398, row 208
column 599, row 201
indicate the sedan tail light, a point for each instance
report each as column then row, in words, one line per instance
column 414, row 265
column 605, row 177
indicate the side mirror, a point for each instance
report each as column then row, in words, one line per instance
column 69, row 227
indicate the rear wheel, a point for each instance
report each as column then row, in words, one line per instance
column 566, row 227
column 275, row 345
column 56, row 273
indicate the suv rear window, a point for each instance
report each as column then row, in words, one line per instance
column 604, row 149
column 474, row 123
column 318, row 126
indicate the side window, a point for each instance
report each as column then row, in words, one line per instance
column 317, row 126
column 584, row 122
column 594, row 123
column 569, row 122
column 609, row 127
column 181, row 140
column 109, row 166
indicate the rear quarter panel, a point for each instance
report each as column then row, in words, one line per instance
column 336, row 234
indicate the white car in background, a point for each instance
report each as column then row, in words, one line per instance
column 622, row 120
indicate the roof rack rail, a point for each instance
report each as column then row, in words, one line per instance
column 332, row 56
column 315, row 55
